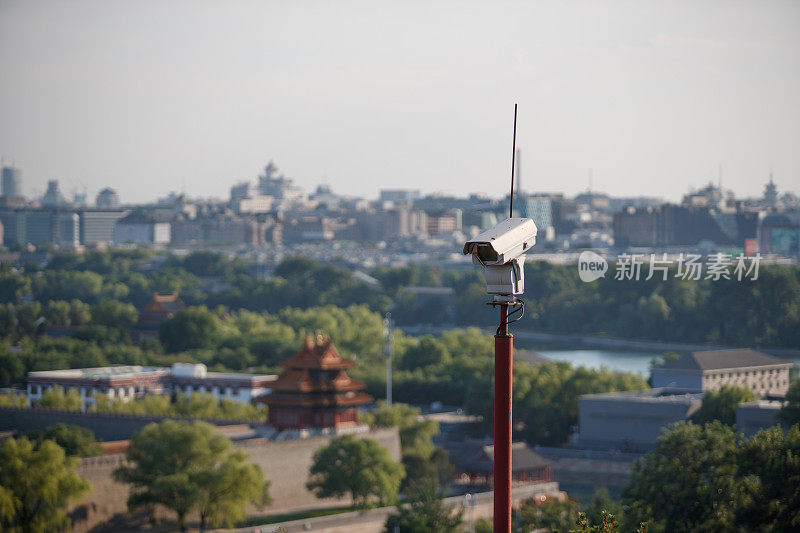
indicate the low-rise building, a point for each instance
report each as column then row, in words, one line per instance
column 474, row 464
column 708, row 370
column 632, row 420
column 752, row 417
column 129, row 382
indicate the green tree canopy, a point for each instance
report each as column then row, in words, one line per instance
column 416, row 434
column 436, row 469
column 74, row 440
column 36, row 482
column 361, row 468
column 703, row 478
column 687, row 482
column 423, row 463
column 425, row 512
column 769, row 472
column 554, row 516
column 188, row 467
column 191, row 328
column 427, row 352
column 790, row 412
column 56, row 398
column 721, row 405
column 12, row 369
column 114, row 314
column 602, row 502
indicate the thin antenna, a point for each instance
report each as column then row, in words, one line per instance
column 513, row 159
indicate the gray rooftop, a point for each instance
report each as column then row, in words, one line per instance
column 722, row 359
column 657, row 395
column 98, row 373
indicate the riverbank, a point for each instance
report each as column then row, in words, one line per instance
column 593, row 341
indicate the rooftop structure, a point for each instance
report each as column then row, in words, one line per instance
column 474, row 462
column 107, row 198
column 52, row 196
column 160, row 308
column 314, row 389
column 710, row 370
column 141, row 227
column 11, row 185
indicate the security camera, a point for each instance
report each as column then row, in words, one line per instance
column 501, row 252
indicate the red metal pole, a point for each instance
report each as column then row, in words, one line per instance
column 503, row 367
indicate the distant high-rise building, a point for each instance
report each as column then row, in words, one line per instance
column 107, row 198
column 278, row 186
column 79, row 198
column 770, row 193
column 403, row 196
column 12, row 182
column 244, row 190
column 53, row 196
column 97, row 225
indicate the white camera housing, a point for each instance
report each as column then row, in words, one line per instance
column 501, row 251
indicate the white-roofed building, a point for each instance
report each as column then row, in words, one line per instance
column 128, row 382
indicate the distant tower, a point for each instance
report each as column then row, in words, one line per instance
column 52, row 197
column 12, row 182
column 771, row 193
column 107, row 198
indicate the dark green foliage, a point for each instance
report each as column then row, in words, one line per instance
column 75, row 440
column 12, row 369
column 769, row 472
column 555, row 516
column 602, row 503
column 789, row 414
column 605, row 522
column 416, row 436
column 13, row 287
column 764, row 312
column 721, row 405
column 114, row 314
column 360, row 468
column 423, row 463
column 425, row 512
column 36, row 482
column 687, row 483
column 701, row 478
column 546, row 397
column 189, row 467
column 427, row 352
column 434, row 468
column 205, row 263
column 191, row 328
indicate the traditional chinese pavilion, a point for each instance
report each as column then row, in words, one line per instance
column 474, row 462
column 160, row 308
column 314, row 390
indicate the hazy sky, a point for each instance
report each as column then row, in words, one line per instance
column 149, row 97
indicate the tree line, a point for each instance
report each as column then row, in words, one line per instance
column 764, row 312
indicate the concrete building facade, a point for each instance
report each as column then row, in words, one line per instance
column 632, row 420
column 141, row 228
column 764, row 374
column 752, row 417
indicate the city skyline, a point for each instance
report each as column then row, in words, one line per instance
column 651, row 100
